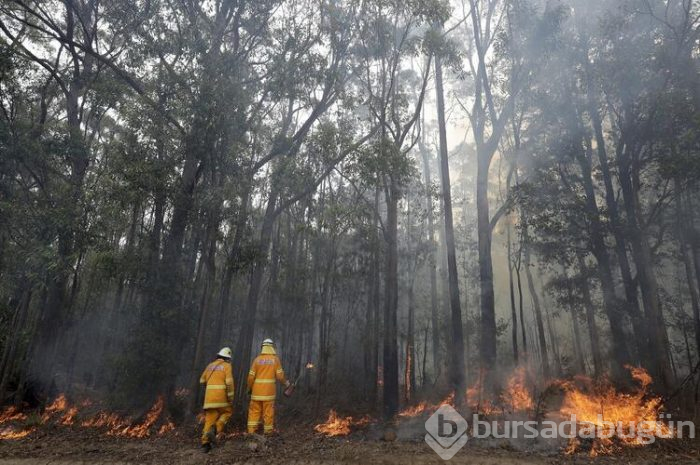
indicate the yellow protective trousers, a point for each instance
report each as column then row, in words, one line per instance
column 258, row 408
column 215, row 417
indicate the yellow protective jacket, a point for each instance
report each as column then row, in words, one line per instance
column 262, row 375
column 218, row 378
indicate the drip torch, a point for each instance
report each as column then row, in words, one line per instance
column 290, row 390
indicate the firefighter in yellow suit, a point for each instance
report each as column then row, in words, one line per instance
column 262, row 379
column 218, row 399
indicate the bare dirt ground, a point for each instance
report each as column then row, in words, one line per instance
column 300, row 445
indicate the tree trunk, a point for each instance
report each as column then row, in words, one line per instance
column 578, row 346
column 390, row 352
column 630, row 285
column 687, row 261
column 590, row 318
column 620, row 355
column 457, row 376
column 244, row 345
column 553, row 339
column 13, row 341
column 371, row 323
column 694, row 240
column 542, row 340
column 513, row 312
column 659, row 361
column 432, row 262
column 52, row 314
column 410, row 372
column 521, row 308
column 208, row 280
column 233, row 265
column 488, row 313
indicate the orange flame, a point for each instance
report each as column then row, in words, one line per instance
column 415, row 410
column 114, row 423
column 112, row 420
column 517, row 396
column 11, row 414
column 594, row 405
column 449, row 400
column 339, row 426
column 141, row 430
column 69, row 417
column 335, row 425
column 58, row 405
column 478, row 400
column 425, row 407
column 166, row 428
column 9, row 433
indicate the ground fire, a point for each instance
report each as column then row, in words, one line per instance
column 583, row 398
column 61, row 413
column 337, row 425
column 600, row 405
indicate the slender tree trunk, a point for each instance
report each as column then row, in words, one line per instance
column 542, row 340
column 590, row 318
column 488, row 315
column 410, row 379
column 233, row 265
column 457, row 376
column 659, row 347
column 578, row 346
column 687, row 262
column 553, row 339
column 13, row 341
column 209, row 261
column 410, row 368
column 620, row 355
column 52, row 314
column 128, row 252
column 513, row 312
column 432, row 262
column 630, row 285
column 694, row 239
column 687, row 345
column 244, row 345
column 521, row 308
column 390, row 352
column 371, row 334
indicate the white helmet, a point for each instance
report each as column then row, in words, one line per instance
column 225, row 352
column 268, row 342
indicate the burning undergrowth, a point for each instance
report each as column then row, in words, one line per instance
column 613, row 419
column 17, row 425
column 597, row 411
column 517, row 398
column 337, row 425
column 584, row 404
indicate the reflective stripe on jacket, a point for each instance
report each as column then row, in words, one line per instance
column 264, row 373
column 218, row 377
